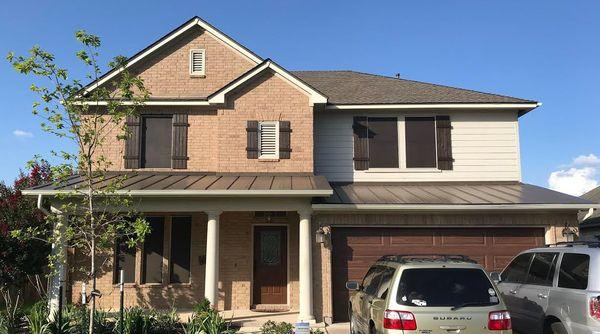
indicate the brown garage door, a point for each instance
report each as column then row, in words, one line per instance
column 355, row 249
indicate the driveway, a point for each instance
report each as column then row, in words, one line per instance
column 338, row 328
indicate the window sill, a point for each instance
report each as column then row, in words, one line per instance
column 197, row 75
column 403, row 170
column 268, row 160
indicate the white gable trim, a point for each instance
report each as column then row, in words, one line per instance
column 315, row 96
column 194, row 22
column 524, row 105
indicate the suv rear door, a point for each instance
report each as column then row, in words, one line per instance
column 431, row 293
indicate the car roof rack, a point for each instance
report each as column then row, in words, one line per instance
column 404, row 258
column 592, row 244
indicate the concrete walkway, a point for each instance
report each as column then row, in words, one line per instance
column 338, row 328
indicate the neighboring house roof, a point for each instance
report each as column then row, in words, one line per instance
column 350, row 87
column 590, row 223
column 197, row 184
column 592, row 195
column 440, row 196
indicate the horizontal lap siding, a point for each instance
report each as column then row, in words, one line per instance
column 485, row 147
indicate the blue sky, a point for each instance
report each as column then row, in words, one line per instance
column 544, row 50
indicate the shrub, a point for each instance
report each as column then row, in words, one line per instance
column 37, row 319
column 206, row 320
column 10, row 317
column 166, row 322
column 272, row 327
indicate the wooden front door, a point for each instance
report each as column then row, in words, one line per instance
column 270, row 265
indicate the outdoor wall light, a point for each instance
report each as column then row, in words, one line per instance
column 569, row 233
column 320, row 236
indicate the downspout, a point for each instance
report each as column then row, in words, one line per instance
column 40, row 205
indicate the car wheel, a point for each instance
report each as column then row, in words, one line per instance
column 557, row 328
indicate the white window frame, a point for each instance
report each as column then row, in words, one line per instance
column 191, row 61
column 268, row 156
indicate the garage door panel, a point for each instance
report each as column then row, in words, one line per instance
column 354, row 250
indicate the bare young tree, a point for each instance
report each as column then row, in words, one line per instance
column 90, row 118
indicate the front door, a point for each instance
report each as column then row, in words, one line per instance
column 270, row 265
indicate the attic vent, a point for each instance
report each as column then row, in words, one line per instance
column 197, row 62
column 268, row 140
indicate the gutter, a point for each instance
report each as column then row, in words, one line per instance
column 336, row 208
column 194, row 193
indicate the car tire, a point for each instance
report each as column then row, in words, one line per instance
column 557, row 328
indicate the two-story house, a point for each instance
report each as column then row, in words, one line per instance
column 267, row 189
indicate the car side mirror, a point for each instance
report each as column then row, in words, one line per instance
column 353, row 285
column 495, row 276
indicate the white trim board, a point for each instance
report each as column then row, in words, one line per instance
column 434, row 106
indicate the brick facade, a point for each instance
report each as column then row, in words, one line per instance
column 235, row 272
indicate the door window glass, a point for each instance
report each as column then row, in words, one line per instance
column 270, row 247
column 541, row 271
column 574, row 271
column 516, row 272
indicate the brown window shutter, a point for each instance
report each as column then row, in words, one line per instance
column 444, row 142
column 285, row 148
column 361, row 143
column 180, row 136
column 252, row 135
column 132, row 142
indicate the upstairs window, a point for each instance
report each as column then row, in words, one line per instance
column 420, row 142
column 268, row 140
column 383, row 142
column 197, row 62
column 156, row 142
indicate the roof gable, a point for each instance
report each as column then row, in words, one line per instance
column 175, row 33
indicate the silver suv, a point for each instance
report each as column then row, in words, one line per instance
column 426, row 295
column 555, row 289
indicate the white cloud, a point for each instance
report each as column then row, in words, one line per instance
column 22, row 134
column 587, row 160
column 574, row 181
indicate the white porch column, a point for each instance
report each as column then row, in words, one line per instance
column 305, row 269
column 211, row 277
column 59, row 253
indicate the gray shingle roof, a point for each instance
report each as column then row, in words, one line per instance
column 592, row 195
column 349, row 87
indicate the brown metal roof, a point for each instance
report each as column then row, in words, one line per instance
column 349, row 87
column 181, row 183
column 459, row 193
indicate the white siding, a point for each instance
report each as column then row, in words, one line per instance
column 485, row 147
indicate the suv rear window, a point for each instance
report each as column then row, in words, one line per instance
column 574, row 271
column 445, row 287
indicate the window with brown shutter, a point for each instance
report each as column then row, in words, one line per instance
column 383, row 142
column 180, row 136
column 132, row 142
column 152, row 260
column 285, row 148
column 444, row 142
column 156, row 137
column 420, row 142
column 360, row 128
column 252, row 139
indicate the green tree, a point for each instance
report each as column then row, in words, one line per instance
column 88, row 118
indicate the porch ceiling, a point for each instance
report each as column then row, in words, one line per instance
column 196, row 184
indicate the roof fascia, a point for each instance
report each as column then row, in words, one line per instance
column 194, row 193
column 449, row 207
column 518, row 106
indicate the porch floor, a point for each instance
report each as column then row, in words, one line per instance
column 250, row 321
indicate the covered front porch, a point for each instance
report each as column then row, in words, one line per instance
column 249, row 249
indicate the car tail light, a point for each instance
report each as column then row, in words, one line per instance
column 595, row 308
column 399, row 320
column 499, row 321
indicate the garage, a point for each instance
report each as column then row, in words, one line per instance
column 354, row 249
